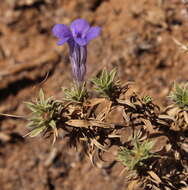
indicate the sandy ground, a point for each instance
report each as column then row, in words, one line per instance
column 137, row 39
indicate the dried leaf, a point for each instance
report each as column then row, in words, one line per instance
column 166, row 117
column 156, row 188
column 162, row 122
column 148, row 125
column 103, row 109
column 91, row 157
column 126, row 102
column 114, row 136
column 133, row 185
column 185, row 188
column 185, row 116
column 53, row 125
column 125, row 116
column 172, row 110
column 97, row 144
column 101, row 124
column 94, row 102
column 168, row 147
column 90, row 123
column 155, row 177
column 78, row 123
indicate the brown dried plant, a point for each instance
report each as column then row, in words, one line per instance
column 89, row 123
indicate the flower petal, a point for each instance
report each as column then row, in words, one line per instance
column 93, row 33
column 80, row 26
column 81, row 41
column 62, row 41
column 61, row 31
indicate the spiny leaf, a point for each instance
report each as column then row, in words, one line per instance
column 45, row 114
column 180, row 95
column 134, row 157
column 147, row 99
column 105, row 84
column 31, row 106
column 78, row 93
column 36, row 131
column 41, row 96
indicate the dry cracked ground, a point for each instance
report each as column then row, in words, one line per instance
column 137, row 38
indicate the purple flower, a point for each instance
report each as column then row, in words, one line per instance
column 77, row 36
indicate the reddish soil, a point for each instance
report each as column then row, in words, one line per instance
column 137, row 39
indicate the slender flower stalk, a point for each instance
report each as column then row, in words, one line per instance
column 77, row 36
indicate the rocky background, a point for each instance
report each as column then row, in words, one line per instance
column 137, row 38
